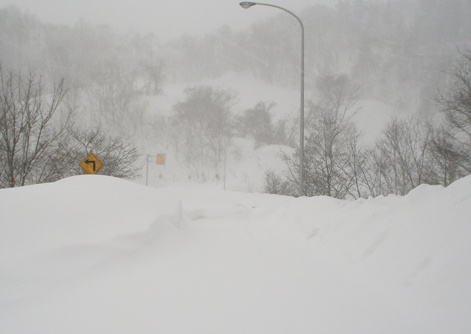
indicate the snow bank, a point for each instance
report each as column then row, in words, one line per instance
column 94, row 254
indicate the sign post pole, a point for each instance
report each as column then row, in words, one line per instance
column 147, row 169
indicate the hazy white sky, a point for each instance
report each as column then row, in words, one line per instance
column 166, row 18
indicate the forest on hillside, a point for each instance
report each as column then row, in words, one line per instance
column 397, row 50
column 403, row 53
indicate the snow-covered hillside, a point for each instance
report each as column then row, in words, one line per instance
column 370, row 118
column 245, row 164
column 94, row 254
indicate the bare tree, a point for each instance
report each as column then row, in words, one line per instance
column 445, row 155
column 118, row 155
column 202, row 126
column 331, row 134
column 372, row 172
column 456, row 102
column 114, row 98
column 332, row 154
column 277, row 184
column 456, row 105
column 404, row 155
column 30, row 129
column 356, row 165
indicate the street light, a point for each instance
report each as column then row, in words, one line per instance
column 246, row 5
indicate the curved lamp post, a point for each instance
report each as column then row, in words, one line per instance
column 247, row 5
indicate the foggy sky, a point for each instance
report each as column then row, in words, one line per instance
column 166, row 18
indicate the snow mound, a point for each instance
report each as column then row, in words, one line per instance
column 94, row 254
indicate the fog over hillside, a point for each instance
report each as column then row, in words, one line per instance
column 367, row 63
column 396, row 50
column 165, row 19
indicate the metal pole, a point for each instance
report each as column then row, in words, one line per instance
column 147, row 168
column 225, row 168
column 246, row 5
column 301, row 121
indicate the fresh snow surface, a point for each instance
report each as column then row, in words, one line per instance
column 95, row 254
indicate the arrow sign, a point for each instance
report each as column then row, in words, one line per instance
column 91, row 164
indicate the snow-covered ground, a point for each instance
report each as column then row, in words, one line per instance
column 95, row 254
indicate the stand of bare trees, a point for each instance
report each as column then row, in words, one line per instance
column 37, row 143
column 456, row 105
column 409, row 152
column 332, row 155
column 28, row 138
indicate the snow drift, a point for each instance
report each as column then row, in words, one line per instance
column 94, row 254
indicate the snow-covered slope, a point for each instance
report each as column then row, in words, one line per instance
column 94, row 254
column 246, row 165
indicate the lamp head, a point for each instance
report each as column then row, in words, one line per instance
column 247, row 4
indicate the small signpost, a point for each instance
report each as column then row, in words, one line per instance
column 91, row 164
column 160, row 159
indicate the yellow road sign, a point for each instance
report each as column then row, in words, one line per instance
column 91, row 164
